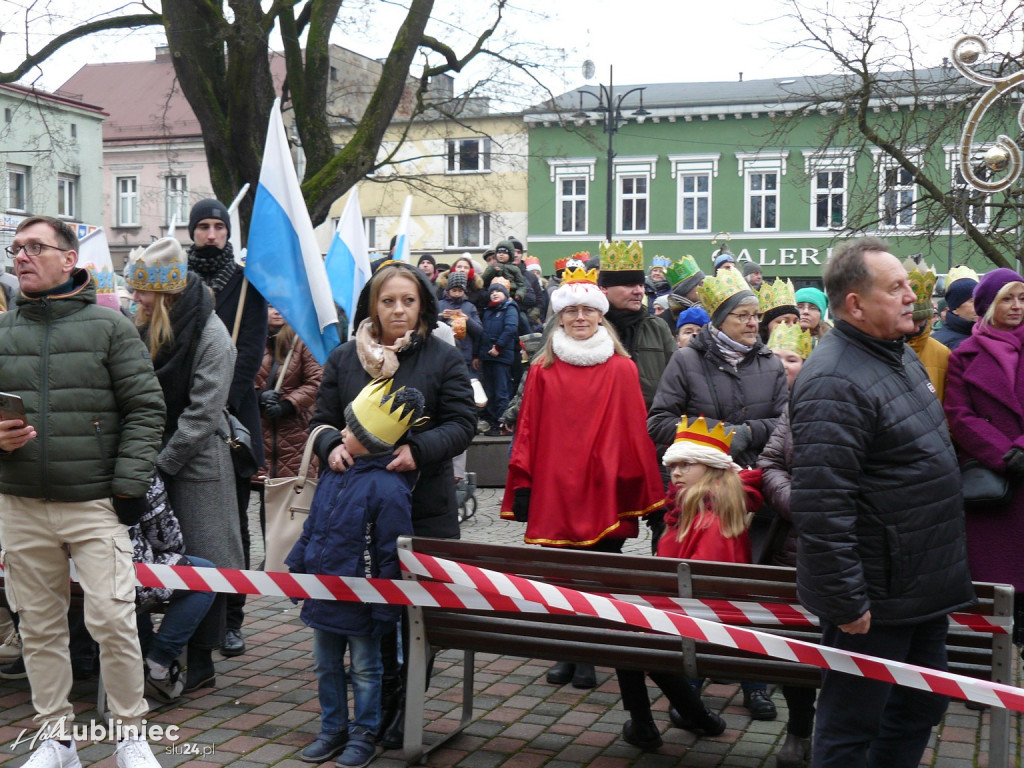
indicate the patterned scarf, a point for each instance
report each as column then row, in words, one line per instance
column 214, row 265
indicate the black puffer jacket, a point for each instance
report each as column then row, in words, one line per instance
column 775, row 462
column 438, row 371
column 876, row 486
column 698, row 380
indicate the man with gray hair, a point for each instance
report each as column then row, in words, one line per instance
column 876, row 501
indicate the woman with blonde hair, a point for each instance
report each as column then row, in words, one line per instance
column 194, row 359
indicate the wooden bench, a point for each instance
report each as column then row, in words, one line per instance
column 594, row 641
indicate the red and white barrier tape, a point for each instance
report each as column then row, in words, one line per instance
column 564, row 600
column 459, row 586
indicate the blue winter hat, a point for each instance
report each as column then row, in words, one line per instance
column 722, row 258
column 814, row 296
column 959, row 292
column 694, row 316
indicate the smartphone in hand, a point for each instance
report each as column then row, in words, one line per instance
column 11, row 407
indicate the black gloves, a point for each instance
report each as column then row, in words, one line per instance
column 269, row 397
column 521, row 504
column 741, row 439
column 130, row 509
column 1014, row 460
column 279, row 410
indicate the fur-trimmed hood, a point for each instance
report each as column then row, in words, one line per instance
column 428, row 299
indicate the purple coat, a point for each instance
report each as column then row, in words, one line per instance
column 984, row 404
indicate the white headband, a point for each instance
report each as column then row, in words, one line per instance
column 684, row 450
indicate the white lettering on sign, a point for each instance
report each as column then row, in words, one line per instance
column 787, row 257
column 809, row 256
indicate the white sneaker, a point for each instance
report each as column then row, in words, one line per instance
column 135, row 753
column 10, row 648
column 52, row 754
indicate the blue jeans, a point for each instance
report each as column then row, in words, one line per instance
column 497, row 378
column 863, row 722
column 184, row 612
column 332, row 682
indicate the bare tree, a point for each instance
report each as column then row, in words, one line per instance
column 220, row 51
column 881, row 100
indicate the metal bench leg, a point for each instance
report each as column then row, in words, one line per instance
column 1002, row 672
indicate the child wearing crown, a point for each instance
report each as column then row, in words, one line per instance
column 709, row 506
column 354, row 523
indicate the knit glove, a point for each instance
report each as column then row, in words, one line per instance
column 130, row 509
column 279, row 410
column 741, row 438
column 1014, row 460
column 521, row 504
column 268, row 398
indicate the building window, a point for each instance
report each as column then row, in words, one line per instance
column 898, row 188
column 694, row 175
column 829, row 172
column 370, row 230
column 17, row 188
column 572, row 205
column 74, row 130
column 467, row 230
column 469, row 155
column 972, row 202
column 633, row 200
column 127, row 201
column 334, row 74
column 762, row 173
column 8, row 115
column 67, row 196
column 176, row 199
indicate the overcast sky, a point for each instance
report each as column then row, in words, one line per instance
column 647, row 41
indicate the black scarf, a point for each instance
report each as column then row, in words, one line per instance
column 214, row 265
column 173, row 363
column 626, row 322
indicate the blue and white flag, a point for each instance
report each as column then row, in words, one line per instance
column 348, row 259
column 402, row 251
column 283, row 261
column 235, row 238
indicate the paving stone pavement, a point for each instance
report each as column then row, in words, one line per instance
column 264, row 709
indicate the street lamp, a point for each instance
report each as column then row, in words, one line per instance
column 609, row 106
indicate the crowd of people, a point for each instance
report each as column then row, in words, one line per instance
column 726, row 412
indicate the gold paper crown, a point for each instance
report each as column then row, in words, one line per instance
column 778, row 294
column 682, row 270
column 697, row 432
column 620, row 257
column 791, row 338
column 715, row 290
column 381, row 415
column 922, row 281
column 577, row 275
column 960, row 272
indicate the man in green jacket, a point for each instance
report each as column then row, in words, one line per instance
column 74, row 472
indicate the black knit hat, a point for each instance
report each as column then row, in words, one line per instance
column 208, row 209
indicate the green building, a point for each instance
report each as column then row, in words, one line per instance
column 783, row 174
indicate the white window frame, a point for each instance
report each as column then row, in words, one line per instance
column 177, row 197
column 957, row 183
column 453, row 231
column 828, row 161
column 13, row 203
column 121, row 198
column 67, row 196
column 453, row 155
column 634, row 169
column 576, row 200
column 883, row 164
column 369, row 230
column 571, row 168
column 761, row 164
column 687, row 167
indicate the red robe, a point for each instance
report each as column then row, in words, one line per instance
column 581, row 445
column 704, row 540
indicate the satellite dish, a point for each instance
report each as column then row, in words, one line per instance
column 589, row 70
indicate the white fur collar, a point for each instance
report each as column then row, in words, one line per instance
column 593, row 351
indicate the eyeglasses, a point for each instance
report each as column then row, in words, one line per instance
column 582, row 311
column 32, row 249
column 746, row 317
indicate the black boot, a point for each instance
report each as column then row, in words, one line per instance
column 703, row 722
column 642, row 732
column 391, row 696
column 561, row 673
column 200, row 672
column 393, row 735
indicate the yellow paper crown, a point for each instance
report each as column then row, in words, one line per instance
column 778, row 294
column 380, row 414
column 791, row 338
column 697, row 432
column 622, row 257
column 922, row 281
column 715, row 290
column 577, row 275
column 960, row 272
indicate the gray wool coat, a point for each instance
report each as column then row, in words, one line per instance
column 699, row 381
column 195, row 462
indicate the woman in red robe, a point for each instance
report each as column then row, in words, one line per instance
column 583, row 468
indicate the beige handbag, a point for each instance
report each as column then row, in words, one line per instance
column 287, row 501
